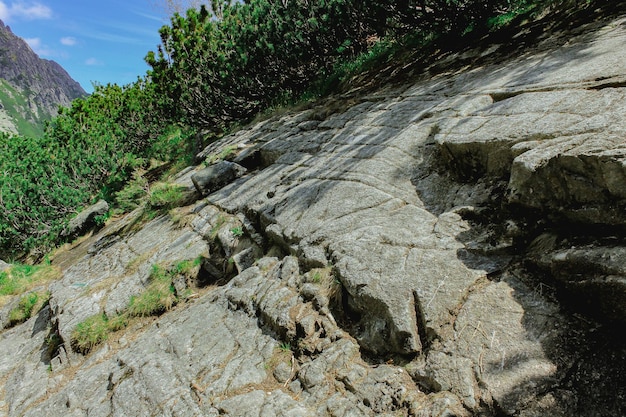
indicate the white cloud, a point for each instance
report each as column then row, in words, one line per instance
column 34, row 43
column 24, row 10
column 42, row 49
column 4, row 12
column 68, row 41
column 93, row 62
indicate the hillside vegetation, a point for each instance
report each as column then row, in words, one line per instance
column 215, row 68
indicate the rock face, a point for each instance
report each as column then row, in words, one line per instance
column 451, row 247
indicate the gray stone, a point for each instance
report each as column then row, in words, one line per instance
column 216, row 176
column 506, row 330
column 105, row 281
column 440, row 404
column 314, row 374
column 444, row 372
column 313, row 256
column 581, row 177
column 4, row 266
column 246, row 258
column 263, row 404
column 593, row 277
column 283, row 372
column 86, row 219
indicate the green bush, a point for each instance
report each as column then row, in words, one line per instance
column 133, row 195
column 214, row 72
column 89, row 151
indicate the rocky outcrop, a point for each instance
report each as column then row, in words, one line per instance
column 449, row 247
column 216, row 176
column 86, row 219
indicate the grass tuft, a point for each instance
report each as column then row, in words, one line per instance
column 90, row 333
column 21, row 278
column 159, row 297
column 28, row 305
column 166, row 195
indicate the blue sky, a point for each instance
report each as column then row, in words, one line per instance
column 103, row 41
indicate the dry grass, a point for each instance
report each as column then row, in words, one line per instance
column 327, row 280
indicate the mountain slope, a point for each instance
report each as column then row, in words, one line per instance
column 451, row 246
column 31, row 88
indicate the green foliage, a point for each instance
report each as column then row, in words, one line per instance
column 176, row 144
column 35, row 173
column 516, row 9
column 101, row 219
column 133, row 194
column 237, row 231
column 89, row 151
column 187, row 267
column 213, row 72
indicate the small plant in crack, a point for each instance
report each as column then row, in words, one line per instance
column 221, row 219
column 225, row 154
column 285, row 347
column 237, row 231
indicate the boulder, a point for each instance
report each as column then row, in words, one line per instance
column 581, row 178
column 216, row 176
column 591, row 278
column 4, row 266
column 86, row 219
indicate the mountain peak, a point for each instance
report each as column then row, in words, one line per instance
column 31, row 88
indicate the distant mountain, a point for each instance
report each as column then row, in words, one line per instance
column 31, row 88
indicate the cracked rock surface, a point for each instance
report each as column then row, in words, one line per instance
column 449, row 247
